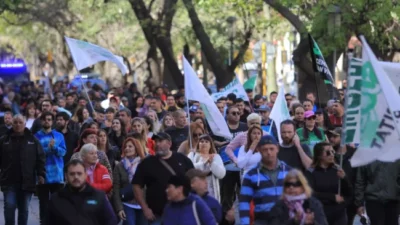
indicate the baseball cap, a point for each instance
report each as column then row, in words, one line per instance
column 309, row 114
column 336, row 132
column 179, row 181
column 267, row 139
column 161, row 136
column 193, row 108
column 263, row 108
column 193, row 173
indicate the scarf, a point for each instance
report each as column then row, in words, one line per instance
column 130, row 166
column 295, row 205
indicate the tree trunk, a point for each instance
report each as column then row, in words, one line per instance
column 154, row 69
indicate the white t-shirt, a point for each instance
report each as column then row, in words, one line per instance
column 247, row 160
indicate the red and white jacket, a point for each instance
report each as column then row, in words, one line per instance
column 99, row 178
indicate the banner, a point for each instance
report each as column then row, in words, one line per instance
column 280, row 111
column 251, row 82
column 380, row 113
column 233, row 87
column 194, row 90
column 86, row 54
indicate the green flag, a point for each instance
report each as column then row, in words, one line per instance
column 251, row 82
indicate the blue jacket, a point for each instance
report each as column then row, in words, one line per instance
column 181, row 213
column 54, row 156
column 258, row 186
column 214, row 205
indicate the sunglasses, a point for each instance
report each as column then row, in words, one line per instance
column 292, row 184
column 329, row 153
column 197, row 135
column 235, row 113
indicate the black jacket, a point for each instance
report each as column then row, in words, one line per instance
column 280, row 213
column 71, row 141
column 36, row 126
column 31, row 158
column 88, row 207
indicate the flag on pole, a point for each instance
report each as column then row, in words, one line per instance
column 251, row 82
column 194, row 90
column 234, row 87
column 380, row 113
column 86, row 54
column 280, row 111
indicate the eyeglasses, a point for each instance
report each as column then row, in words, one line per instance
column 235, row 113
column 197, row 135
column 292, row 184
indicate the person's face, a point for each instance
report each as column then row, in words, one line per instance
column 335, row 140
column 265, row 115
column 85, row 114
column 220, row 107
column 82, row 102
column 92, row 138
column 199, row 113
column 130, row 150
column 99, row 117
column 31, row 111
column 155, row 104
column 288, row 99
column 336, row 108
column 60, row 123
column 341, row 94
column 307, row 106
column 160, row 91
column 109, row 116
column 152, row 116
column 299, row 114
column 253, row 122
column 116, row 125
column 139, row 101
column 125, row 103
column 70, row 100
column 269, row 153
column 169, row 121
column 240, row 106
column 258, row 103
column 255, row 134
column 250, row 95
column 124, row 117
column 162, row 147
column 47, row 122
column 173, row 193
column 76, row 176
column 310, row 121
column 293, row 187
column 233, row 115
column 328, row 156
column 273, row 97
column 319, row 117
column 147, row 101
column 181, row 100
column 344, row 83
column 199, row 121
column 46, row 107
column 311, row 97
column 102, row 138
column 91, row 157
column 229, row 102
column 181, row 120
column 287, row 133
column 8, row 119
column 62, row 103
column 197, row 133
column 137, row 127
column 18, row 125
column 199, row 185
column 204, row 145
column 170, row 101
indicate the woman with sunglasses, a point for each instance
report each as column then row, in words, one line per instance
column 324, row 176
column 206, row 159
column 196, row 130
column 297, row 206
column 248, row 156
column 310, row 134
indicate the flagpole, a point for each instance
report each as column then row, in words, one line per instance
column 317, row 75
column 87, row 94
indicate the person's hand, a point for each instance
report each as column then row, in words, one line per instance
column 40, row 180
column 309, row 217
column 339, row 198
column 360, row 211
column 51, row 143
column 296, row 140
column 341, row 174
column 210, row 158
column 148, row 213
column 254, row 143
column 122, row 215
column 298, row 217
column 230, row 215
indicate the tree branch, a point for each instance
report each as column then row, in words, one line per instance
column 289, row 15
column 242, row 50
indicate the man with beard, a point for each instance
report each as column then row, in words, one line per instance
column 293, row 153
column 4, row 128
column 153, row 173
column 53, row 145
column 71, row 137
column 78, row 202
column 46, row 106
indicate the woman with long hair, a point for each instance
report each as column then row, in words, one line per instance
column 109, row 117
column 138, row 103
column 196, row 130
column 155, row 121
column 297, row 205
column 322, row 120
column 202, row 122
column 248, row 156
column 208, row 160
column 113, row 153
column 30, row 115
column 81, row 116
column 167, row 121
column 324, row 177
column 117, row 134
column 311, row 134
column 129, row 211
column 139, row 127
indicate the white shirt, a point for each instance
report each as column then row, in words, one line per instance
column 247, row 160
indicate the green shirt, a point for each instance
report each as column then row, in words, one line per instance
column 312, row 138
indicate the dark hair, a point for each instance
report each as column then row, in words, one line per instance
column 308, row 100
column 148, row 121
column 172, row 109
column 73, row 162
column 170, row 95
column 123, row 130
column 46, row 100
column 273, row 92
column 88, row 125
column 126, row 110
column 228, row 111
column 135, row 102
column 287, row 94
column 258, row 97
column 249, row 141
column 64, row 115
column 46, row 114
column 69, row 95
column 231, row 96
column 289, row 122
column 156, row 98
column 317, row 132
column 318, row 152
column 239, row 100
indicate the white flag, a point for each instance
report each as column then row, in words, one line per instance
column 234, row 87
column 86, row 54
column 380, row 113
column 194, row 90
column 280, row 111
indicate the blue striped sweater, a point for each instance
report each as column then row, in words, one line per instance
column 258, row 186
column 54, row 156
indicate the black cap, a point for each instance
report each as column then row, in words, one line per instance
column 179, row 181
column 267, row 139
column 161, row 136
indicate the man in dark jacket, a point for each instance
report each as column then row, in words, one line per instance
column 22, row 159
column 45, row 106
column 4, row 128
column 71, row 137
column 79, row 203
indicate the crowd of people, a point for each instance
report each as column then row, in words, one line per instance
column 104, row 158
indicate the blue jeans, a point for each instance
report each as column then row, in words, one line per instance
column 16, row 198
column 157, row 221
column 134, row 216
